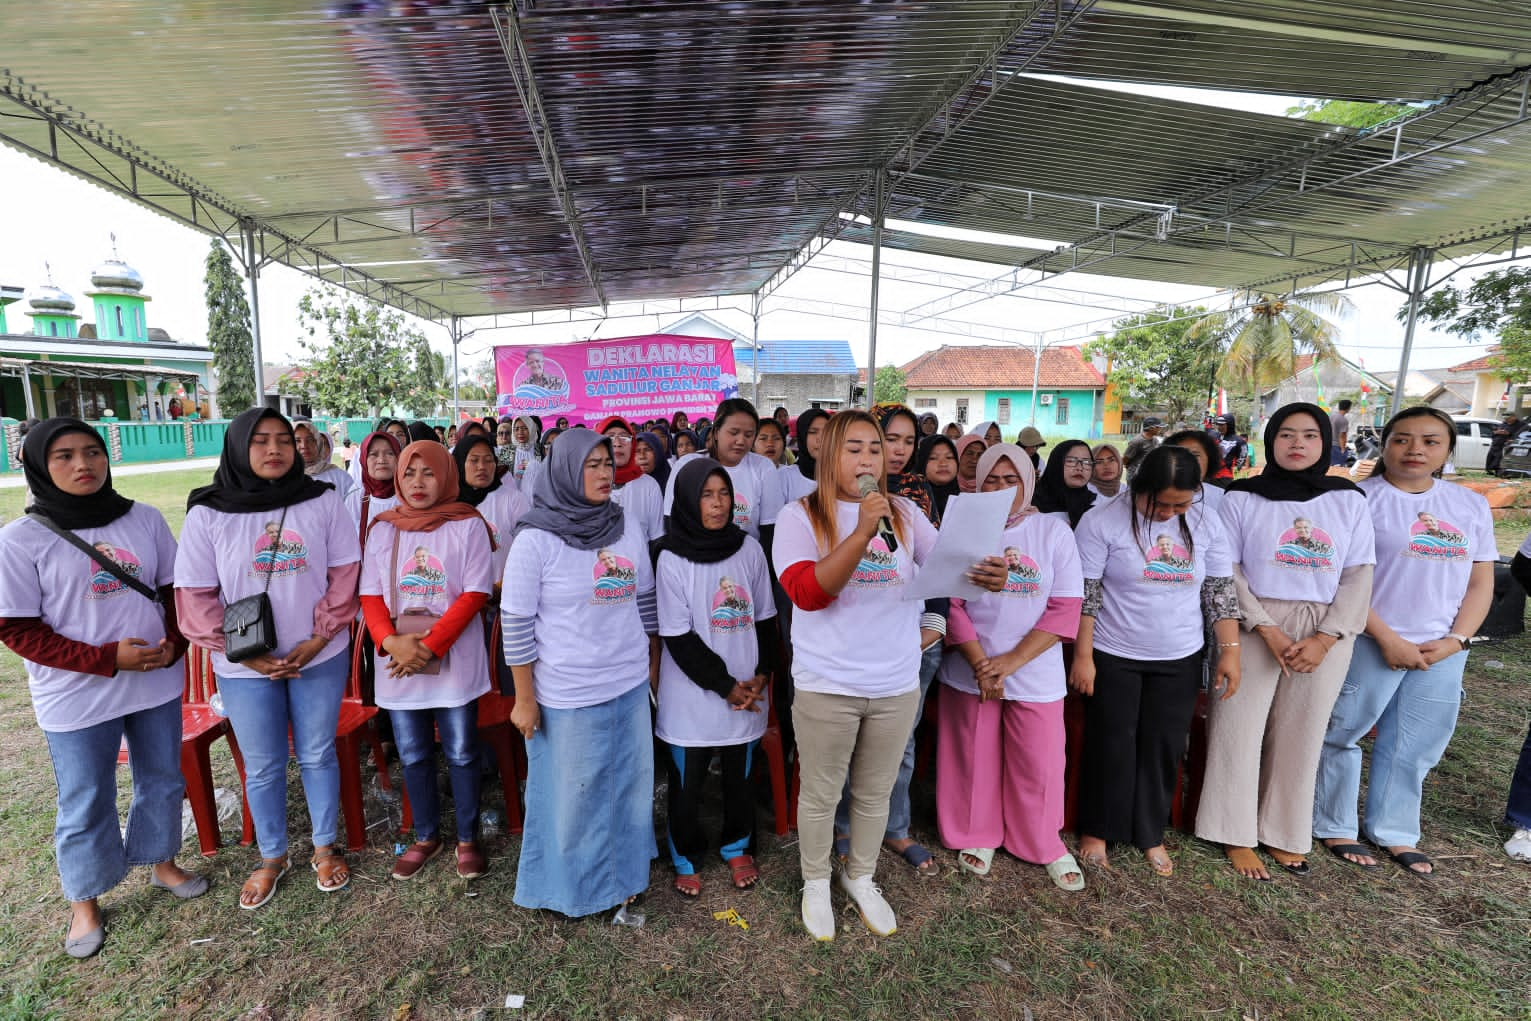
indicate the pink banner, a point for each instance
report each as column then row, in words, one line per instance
column 652, row 376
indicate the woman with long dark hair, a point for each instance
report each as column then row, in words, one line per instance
column 1208, row 460
column 1157, row 571
column 101, row 668
column 263, row 526
column 1303, row 550
column 1064, row 488
column 1431, row 590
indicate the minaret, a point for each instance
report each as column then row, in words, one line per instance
column 117, row 290
column 51, row 309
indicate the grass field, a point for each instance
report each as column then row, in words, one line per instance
column 1202, row 944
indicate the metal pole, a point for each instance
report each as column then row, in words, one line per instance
column 755, row 359
column 1419, row 273
column 878, row 198
column 26, row 390
column 456, row 328
column 1036, row 377
column 252, row 273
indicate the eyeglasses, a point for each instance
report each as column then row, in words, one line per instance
column 1078, row 462
column 620, row 438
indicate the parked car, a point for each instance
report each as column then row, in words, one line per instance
column 1516, row 459
column 1473, row 438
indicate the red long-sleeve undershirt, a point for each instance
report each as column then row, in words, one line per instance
column 33, row 640
column 442, row 635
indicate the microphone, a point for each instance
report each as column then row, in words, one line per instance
column 868, row 485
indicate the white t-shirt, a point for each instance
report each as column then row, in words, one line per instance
column 722, row 603
column 502, row 509
column 590, row 641
column 1426, row 545
column 375, row 506
column 1296, row 549
column 43, row 576
column 867, row 642
column 234, row 553
column 434, row 568
column 1212, row 499
column 338, row 478
column 643, row 499
column 757, row 494
column 1043, row 562
column 794, row 485
column 1151, row 583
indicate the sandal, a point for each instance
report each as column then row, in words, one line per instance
column 1161, row 863
column 330, row 865
column 1409, row 859
column 743, row 870
column 1296, row 864
column 982, row 860
column 1360, row 850
column 918, row 858
column 416, row 858
column 262, row 881
column 688, row 885
column 1066, row 866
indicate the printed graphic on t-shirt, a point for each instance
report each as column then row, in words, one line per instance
column 741, row 511
column 616, row 580
column 102, row 582
column 878, row 567
column 424, row 577
column 1431, row 538
column 731, row 607
column 1305, row 547
column 278, row 553
column 1022, row 575
column 1169, row 563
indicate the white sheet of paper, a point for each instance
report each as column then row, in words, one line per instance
column 970, row 530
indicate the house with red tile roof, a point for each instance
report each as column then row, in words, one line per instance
column 1490, row 392
column 971, row 384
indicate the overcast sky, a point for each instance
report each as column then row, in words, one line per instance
column 57, row 219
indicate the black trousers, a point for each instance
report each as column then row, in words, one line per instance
column 1134, row 737
column 687, row 769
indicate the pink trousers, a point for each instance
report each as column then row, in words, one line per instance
column 999, row 775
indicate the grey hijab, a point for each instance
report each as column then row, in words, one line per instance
column 558, row 503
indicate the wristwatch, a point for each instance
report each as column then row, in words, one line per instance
column 1463, row 640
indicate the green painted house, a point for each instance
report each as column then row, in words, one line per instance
column 972, row 384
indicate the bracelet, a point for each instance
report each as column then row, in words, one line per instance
column 1227, row 645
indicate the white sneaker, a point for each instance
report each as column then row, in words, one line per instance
column 818, row 912
column 869, row 902
column 1519, row 846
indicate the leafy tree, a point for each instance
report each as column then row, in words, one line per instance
column 359, row 354
column 1154, row 363
column 1498, row 303
column 890, row 385
column 228, row 332
column 427, row 385
column 1266, row 333
column 1346, row 113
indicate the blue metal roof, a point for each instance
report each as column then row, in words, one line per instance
column 804, row 357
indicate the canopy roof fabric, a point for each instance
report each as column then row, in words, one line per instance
column 459, row 158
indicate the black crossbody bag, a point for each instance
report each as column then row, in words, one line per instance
column 249, row 628
column 104, row 562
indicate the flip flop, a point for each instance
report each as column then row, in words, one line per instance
column 985, row 856
column 1408, row 859
column 743, row 871
column 919, row 859
column 1341, row 850
column 1063, row 867
column 1300, row 867
column 689, row 885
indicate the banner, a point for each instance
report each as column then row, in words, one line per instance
column 652, row 376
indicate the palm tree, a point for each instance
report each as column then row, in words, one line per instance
column 1265, row 334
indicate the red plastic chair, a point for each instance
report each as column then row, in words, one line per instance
column 785, row 808
column 200, row 727
column 495, row 730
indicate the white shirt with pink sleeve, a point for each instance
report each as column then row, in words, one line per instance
column 432, row 570
column 867, row 642
column 1042, row 562
column 43, row 576
column 238, row 553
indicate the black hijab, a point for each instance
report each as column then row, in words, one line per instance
column 98, row 509
column 236, row 489
column 806, row 462
column 1277, row 483
column 655, row 442
column 1053, row 494
column 472, row 495
column 940, row 493
column 687, row 537
column 420, row 431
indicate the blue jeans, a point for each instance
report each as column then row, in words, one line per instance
column 93, row 854
column 898, row 801
column 414, row 732
column 1415, row 713
column 1518, row 812
column 261, row 711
